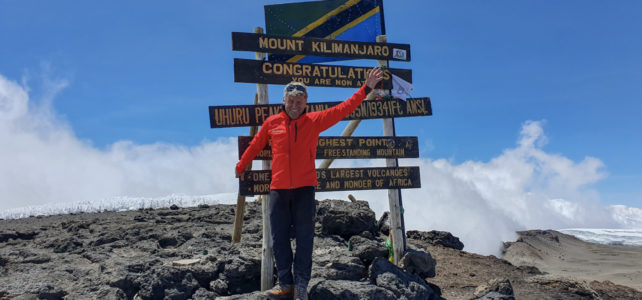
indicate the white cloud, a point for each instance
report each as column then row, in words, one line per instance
column 483, row 203
column 43, row 162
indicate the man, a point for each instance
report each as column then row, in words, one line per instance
column 294, row 134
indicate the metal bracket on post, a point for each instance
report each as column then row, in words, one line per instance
column 396, row 218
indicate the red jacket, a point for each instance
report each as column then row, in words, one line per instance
column 294, row 142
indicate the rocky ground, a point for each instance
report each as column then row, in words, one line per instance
column 186, row 253
column 565, row 255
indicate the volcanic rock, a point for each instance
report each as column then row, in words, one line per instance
column 131, row 255
column 418, row 263
column 345, row 218
column 403, row 285
column 434, row 237
column 349, row 290
column 499, row 289
column 332, row 260
column 367, row 249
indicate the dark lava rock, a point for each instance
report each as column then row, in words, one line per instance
column 247, row 296
column 567, row 288
column 242, row 271
column 174, row 239
column 140, row 266
column 203, row 294
column 49, row 292
column 332, row 260
column 418, row 263
column 110, row 293
column 383, row 225
column 141, row 255
column 434, row 237
column 349, row 290
column 219, row 287
column 609, row 290
column 345, row 218
column 105, row 238
column 5, row 236
column 367, row 249
column 167, row 283
column 496, row 289
column 70, row 245
column 38, row 259
column 403, row 285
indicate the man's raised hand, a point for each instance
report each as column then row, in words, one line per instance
column 375, row 75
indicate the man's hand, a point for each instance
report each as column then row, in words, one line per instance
column 374, row 76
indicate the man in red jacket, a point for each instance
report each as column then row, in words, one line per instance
column 294, row 134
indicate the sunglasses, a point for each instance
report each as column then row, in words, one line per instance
column 293, row 87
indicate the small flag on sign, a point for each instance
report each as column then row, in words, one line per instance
column 400, row 88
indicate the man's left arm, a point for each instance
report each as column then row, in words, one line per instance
column 333, row 115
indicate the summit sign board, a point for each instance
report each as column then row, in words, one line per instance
column 340, row 179
column 257, row 71
column 254, row 115
column 275, row 44
column 338, row 147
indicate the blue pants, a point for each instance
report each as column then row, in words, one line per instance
column 293, row 210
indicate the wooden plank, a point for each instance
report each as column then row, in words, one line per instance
column 340, row 179
column 254, row 115
column 342, row 147
column 275, row 44
column 257, row 71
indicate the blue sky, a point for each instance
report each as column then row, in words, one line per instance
column 145, row 71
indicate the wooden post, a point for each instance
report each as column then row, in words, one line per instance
column 240, row 200
column 267, row 259
column 393, row 195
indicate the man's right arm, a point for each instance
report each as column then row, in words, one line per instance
column 256, row 145
column 333, row 115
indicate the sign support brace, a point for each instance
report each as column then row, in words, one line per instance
column 240, row 201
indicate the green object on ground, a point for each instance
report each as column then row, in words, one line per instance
column 391, row 252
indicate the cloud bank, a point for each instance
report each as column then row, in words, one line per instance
column 43, row 162
column 47, row 169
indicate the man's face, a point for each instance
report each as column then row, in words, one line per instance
column 295, row 105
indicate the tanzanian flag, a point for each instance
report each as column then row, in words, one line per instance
column 348, row 20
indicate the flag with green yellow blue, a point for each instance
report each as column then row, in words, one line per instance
column 348, row 20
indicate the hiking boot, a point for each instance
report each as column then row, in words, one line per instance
column 300, row 293
column 279, row 292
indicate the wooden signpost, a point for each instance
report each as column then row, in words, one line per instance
column 338, row 147
column 389, row 146
column 254, row 115
column 257, row 71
